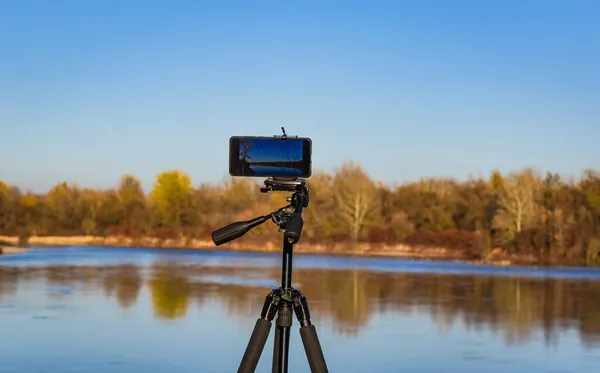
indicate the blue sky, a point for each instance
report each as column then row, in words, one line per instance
column 90, row 90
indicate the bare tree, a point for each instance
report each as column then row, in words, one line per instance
column 355, row 196
column 516, row 197
column 245, row 148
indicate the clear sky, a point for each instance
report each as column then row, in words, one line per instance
column 90, row 90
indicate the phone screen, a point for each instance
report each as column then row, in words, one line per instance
column 270, row 157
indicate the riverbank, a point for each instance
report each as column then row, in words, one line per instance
column 9, row 247
column 496, row 257
column 11, row 250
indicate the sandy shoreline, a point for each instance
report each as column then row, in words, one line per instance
column 11, row 250
column 346, row 249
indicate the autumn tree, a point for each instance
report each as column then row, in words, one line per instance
column 425, row 206
column 107, row 213
column 133, row 206
column 516, row 199
column 355, row 196
column 91, row 201
column 206, row 201
column 392, row 224
column 238, row 194
column 8, row 210
column 320, row 220
column 553, row 219
column 171, row 198
column 590, row 187
column 64, row 203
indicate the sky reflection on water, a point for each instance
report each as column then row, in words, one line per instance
column 130, row 310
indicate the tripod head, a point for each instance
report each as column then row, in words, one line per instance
column 287, row 218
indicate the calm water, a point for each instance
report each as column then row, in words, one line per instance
column 85, row 309
column 274, row 170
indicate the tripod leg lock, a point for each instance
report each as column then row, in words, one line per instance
column 301, row 308
column 308, row 332
column 271, row 304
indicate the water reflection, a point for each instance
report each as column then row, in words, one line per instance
column 124, row 283
column 170, row 290
column 514, row 308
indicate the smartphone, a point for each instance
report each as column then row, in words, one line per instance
column 270, row 156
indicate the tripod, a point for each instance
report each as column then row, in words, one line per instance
column 280, row 302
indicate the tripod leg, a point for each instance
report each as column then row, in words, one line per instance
column 312, row 346
column 308, row 333
column 282, row 339
column 259, row 334
column 276, row 349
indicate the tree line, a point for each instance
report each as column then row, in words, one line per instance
column 524, row 213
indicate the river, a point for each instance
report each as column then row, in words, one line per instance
column 97, row 309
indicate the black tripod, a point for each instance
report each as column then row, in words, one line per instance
column 280, row 301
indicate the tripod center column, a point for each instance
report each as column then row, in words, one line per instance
column 286, row 268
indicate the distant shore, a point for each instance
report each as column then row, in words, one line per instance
column 9, row 246
column 353, row 249
column 11, row 250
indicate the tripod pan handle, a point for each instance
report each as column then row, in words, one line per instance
column 236, row 230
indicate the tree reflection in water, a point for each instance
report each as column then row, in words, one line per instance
column 512, row 307
column 123, row 282
column 170, row 290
